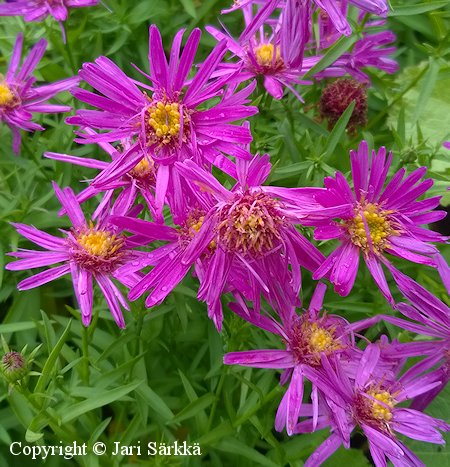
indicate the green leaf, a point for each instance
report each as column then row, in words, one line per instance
column 50, row 366
column 155, row 402
column 102, row 398
column 194, row 407
column 428, row 84
column 339, row 130
column 189, row 7
column 333, row 53
column 235, row 447
column 408, row 10
column 16, row 327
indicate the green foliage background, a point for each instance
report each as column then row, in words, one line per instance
column 162, row 378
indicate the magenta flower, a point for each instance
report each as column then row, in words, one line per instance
column 431, row 318
column 447, row 144
column 139, row 180
column 38, row 10
column 379, row 221
column 370, row 402
column 336, row 10
column 19, row 98
column 88, row 252
column 243, row 241
column 307, row 337
column 170, row 122
column 277, row 57
column 373, row 50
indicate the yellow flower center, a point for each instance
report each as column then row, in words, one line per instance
column 164, row 120
column 251, row 224
column 309, row 340
column 379, row 228
column 265, row 56
column 379, row 411
column 99, row 243
column 192, row 226
column 6, row 95
column 143, row 169
column 321, row 340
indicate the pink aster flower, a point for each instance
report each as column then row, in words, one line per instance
column 174, row 120
column 370, row 402
column 307, row 337
column 88, row 252
column 38, row 10
column 140, row 180
column 277, row 56
column 429, row 317
column 19, row 98
column 381, row 221
column 374, row 50
column 243, row 241
column 335, row 9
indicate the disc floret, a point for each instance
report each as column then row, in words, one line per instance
column 309, row 339
column 98, row 249
column 268, row 57
column 7, row 97
column 144, row 171
column 371, row 228
column 251, row 224
column 374, row 406
column 165, row 120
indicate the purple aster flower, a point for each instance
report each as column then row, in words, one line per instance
column 277, row 56
column 335, row 9
column 88, row 252
column 307, row 337
column 243, row 240
column 380, row 221
column 430, row 318
column 19, row 98
column 447, row 145
column 173, row 120
column 371, row 51
column 370, row 402
column 141, row 179
column 37, row 10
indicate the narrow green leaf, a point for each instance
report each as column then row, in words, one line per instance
column 155, row 402
column 16, row 327
column 290, row 170
column 235, row 447
column 339, row 130
column 50, row 365
column 333, row 53
column 194, row 407
column 428, row 84
column 189, row 7
column 103, row 398
column 409, row 10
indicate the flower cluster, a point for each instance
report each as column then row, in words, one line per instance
column 164, row 214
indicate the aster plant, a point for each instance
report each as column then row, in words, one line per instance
column 38, row 10
column 382, row 220
column 88, row 252
column 20, row 97
column 168, row 125
column 371, row 402
column 187, row 219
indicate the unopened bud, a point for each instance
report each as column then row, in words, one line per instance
column 14, row 366
column 337, row 96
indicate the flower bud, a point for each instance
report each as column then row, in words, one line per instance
column 14, row 366
column 337, row 96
